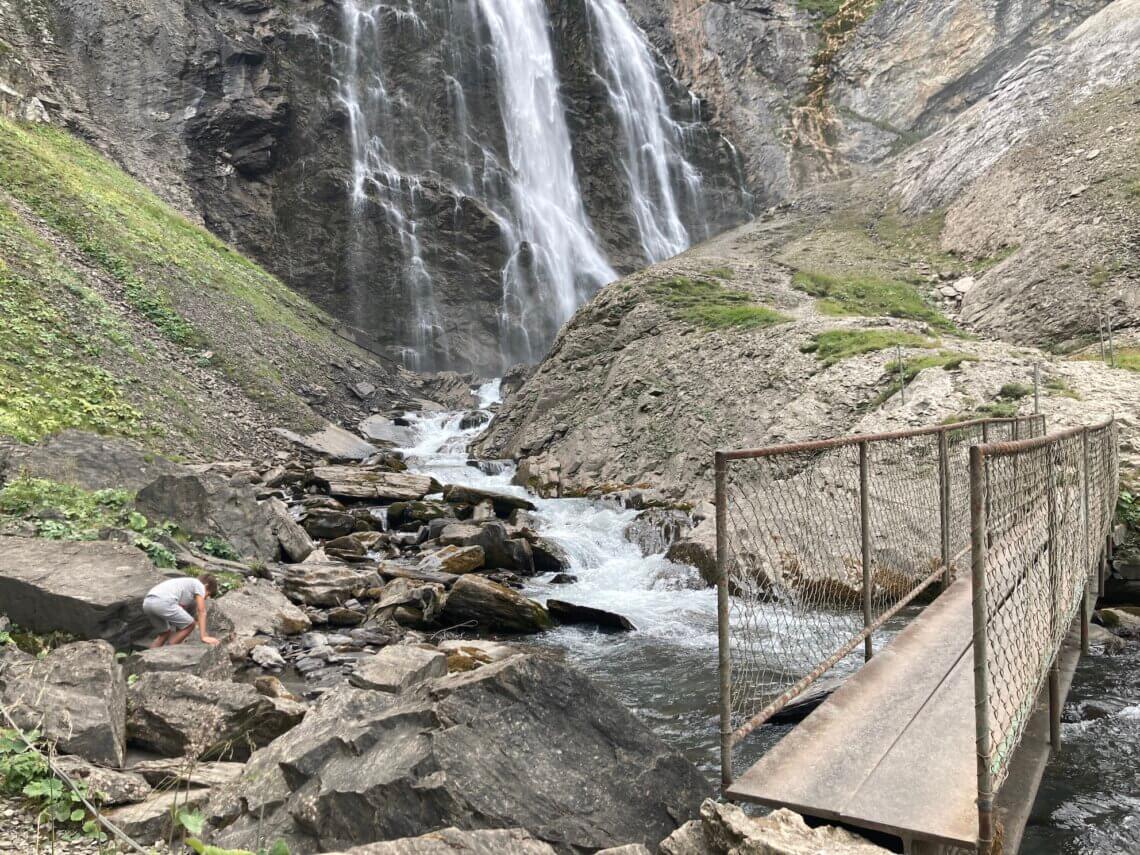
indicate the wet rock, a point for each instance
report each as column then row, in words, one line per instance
column 454, row 559
column 114, row 787
column 206, row 505
column 397, row 667
column 656, row 529
column 549, row 557
column 92, row 589
column 499, row 550
column 347, row 548
column 698, row 549
column 469, row 654
column 328, row 524
column 295, row 543
column 203, row 660
column 418, row 513
column 503, row 503
column 352, row 482
column 384, row 430
column 724, row 829
column 473, row 419
column 258, row 608
column 182, row 715
column 75, row 696
column 570, row 613
column 563, row 579
column 267, row 657
column 1109, row 642
column 493, row 607
column 449, row 751
column 332, row 442
column 327, row 584
column 453, row 841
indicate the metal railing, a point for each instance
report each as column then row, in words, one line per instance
column 820, row 544
column 1041, row 511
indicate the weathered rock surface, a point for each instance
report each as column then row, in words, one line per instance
column 75, row 696
column 724, row 829
column 350, row 482
column 153, row 819
column 333, row 442
column 86, row 460
column 571, row 613
column 165, row 774
column 454, row 559
column 93, row 589
column 386, row 431
column 499, row 550
column 493, row 607
column 113, row 786
column 328, row 523
column 397, row 667
column 503, row 503
column 183, row 715
column 452, row 841
column 327, row 584
column 470, row 750
column 210, row 662
column 259, row 608
column 295, row 543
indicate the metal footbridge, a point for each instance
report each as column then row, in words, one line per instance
column 947, row 572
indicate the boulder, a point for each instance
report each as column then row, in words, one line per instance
column 392, row 571
column 474, row 747
column 697, row 549
column 332, row 442
column 86, row 460
column 206, row 505
column 402, row 514
column 397, row 667
column 493, row 607
column 570, row 613
column 211, row 662
column 724, row 829
column 549, row 557
column 453, row 841
column 454, row 559
column 267, row 657
column 152, row 820
column 358, row 482
column 347, row 548
column 499, row 550
column 656, row 529
column 110, row 786
column 258, row 608
column 164, row 773
column 92, row 589
column 424, row 597
column 469, row 654
column 295, row 543
column 75, row 696
column 328, row 523
column 563, row 579
column 182, row 715
column 385, row 431
column 503, row 503
column 327, row 584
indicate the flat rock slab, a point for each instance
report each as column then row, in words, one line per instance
column 332, row 442
column 493, row 607
column 328, row 584
column 452, row 841
column 87, row 460
column 382, row 485
column 258, row 608
column 571, row 613
column 503, row 503
column 454, row 559
column 163, row 773
column 202, row 660
column 151, row 820
column 390, row 570
column 397, row 667
column 92, row 589
column 114, row 787
column 387, row 432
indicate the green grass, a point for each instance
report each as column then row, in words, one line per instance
column 721, row 272
column 902, row 375
column 711, row 305
column 1128, row 358
column 1058, row 386
column 869, row 296
column 836, row 345
column 824, row 8
column 1014, row 391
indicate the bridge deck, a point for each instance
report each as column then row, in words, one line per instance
column 893, row 748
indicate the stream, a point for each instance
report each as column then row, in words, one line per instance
column 666, row 671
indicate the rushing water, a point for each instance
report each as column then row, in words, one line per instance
column 665, row 672
column 448, row 100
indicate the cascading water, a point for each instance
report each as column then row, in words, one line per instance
column 464, row 170
column 654, row 160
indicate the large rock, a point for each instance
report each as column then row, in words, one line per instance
column 453, row 841
column 499, row 550
column 86, row 460
column 328, row 523
column 358, row 482
column 493, row 607
column 211, row 662
column 472, row 750
column 724, row 829
column 385, row 431
column 564, row 612
column 397, row 667
column 182, row 715
column 75, row 696
column 295, row 543
column 207, row 505
column 503, row 503
column 417, row 513
column 332, row 442
column 92, row 589
column 167, row 773
column 152, row 820
column 109, row 786
column 455, row 560
column 327, row 584
column 258, row 608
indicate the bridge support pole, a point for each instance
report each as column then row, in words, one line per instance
column 1090, row 554
column 724, row 661
column 981, row 649
column 1055, row 703
column 865, row 538
column 944, row 502
column 1055, row 612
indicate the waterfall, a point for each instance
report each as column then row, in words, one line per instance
column 654, row 159
column 555, row 249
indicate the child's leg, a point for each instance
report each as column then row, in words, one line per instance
column 160, row 639
column 181, row 635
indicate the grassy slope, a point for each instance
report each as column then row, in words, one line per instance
column 115, row 307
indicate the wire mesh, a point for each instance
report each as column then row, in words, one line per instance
column 1048, row 506
column 795, row 523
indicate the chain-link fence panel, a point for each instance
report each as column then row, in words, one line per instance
column 821, row 543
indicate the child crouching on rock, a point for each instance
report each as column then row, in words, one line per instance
column 168, row 605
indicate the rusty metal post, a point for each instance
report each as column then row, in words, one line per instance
column 1086, row 512
column 902, row 373
column 1111, row 344
column 981, row 649
column 1055, row 630
column 986, row 467
column 1036, row 388
column 944, row 502
column 724, row 662
column 865, row 539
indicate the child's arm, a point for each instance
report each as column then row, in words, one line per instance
column 205, row 636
